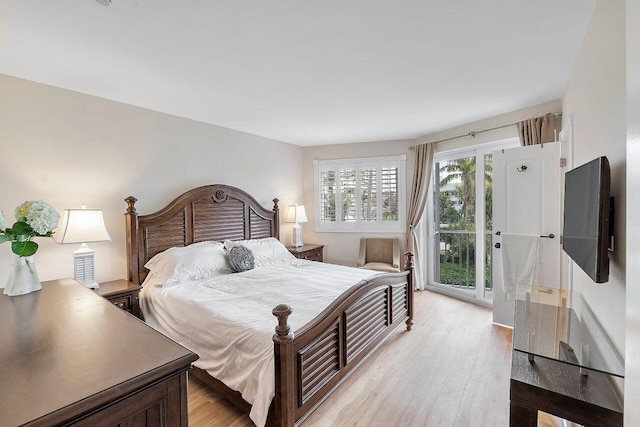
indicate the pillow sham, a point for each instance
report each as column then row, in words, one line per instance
column 265, row 251
column 240, row 259
column 197, row 261
column 159, row 260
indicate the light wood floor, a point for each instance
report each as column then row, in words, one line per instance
column 452, row 369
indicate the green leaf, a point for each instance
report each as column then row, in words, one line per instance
column 21, row 228
column 24, row 248
column 4, row 238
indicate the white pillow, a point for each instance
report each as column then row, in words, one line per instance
column 265, row 251
column 197, row 261
column 158, row 262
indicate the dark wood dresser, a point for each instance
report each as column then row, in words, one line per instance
column 70, row 357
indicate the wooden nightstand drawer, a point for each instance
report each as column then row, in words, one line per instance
column 123, row 294
column 123, row 302
column 313, row 255
column 310, row 252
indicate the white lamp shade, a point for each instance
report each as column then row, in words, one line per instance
column 296, row 214
column 82, row 226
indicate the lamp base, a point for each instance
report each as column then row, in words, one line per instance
column 83, row 269
column 93, row 285
column 90, row 285
column 296, row 236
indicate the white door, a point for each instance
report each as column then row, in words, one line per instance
column 526, row 200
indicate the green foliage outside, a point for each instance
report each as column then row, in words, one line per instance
column 454, row 257
column 456, row 275
column 457, row 250
column 463, row 173
column 448, row 213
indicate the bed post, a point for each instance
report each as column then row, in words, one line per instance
column 131, row 220
column 285, row 394
column 276, row 219
column 410, row 279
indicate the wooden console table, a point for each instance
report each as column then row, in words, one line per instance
column 70, row 357
column 549, row 375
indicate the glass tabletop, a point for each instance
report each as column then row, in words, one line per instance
column 559, row 325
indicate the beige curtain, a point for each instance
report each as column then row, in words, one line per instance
column 419, row 188
column 537, row 130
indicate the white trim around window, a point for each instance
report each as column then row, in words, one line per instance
column 360, row 195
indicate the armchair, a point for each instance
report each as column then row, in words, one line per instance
column 379, row 254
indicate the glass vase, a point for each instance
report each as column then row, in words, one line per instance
column 23, row 278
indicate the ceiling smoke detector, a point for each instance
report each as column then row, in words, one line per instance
column 104, row 2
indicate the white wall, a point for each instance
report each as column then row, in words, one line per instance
column 69, row 148
column 632, row 351
column 595, row 96
column 342, row 248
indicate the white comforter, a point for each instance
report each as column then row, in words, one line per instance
column 227, row 319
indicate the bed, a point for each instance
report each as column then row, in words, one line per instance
column 313, row 358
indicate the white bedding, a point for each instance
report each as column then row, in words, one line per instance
column 227, row 319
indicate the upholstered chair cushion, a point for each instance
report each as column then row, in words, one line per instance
column 379, row 254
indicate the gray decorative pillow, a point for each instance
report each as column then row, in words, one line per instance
column 240, row 259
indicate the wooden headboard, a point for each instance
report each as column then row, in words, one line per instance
column 212, row 212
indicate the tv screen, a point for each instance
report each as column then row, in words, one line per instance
column 586, row 231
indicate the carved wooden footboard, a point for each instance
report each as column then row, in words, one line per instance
column 313, row 361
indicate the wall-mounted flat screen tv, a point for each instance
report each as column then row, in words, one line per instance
column 587, row 217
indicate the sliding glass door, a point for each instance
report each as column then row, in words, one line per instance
column 462, row 218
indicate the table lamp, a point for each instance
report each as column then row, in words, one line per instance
column 83, row 226
column 296, row 214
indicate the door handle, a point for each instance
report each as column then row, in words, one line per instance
column 497, row 245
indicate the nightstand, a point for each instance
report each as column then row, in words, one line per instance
column 122, row 294
column 309, row 251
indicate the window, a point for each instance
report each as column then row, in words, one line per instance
column 360, row 194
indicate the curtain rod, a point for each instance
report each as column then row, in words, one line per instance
column 473, row 133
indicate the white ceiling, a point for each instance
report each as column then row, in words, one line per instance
column 301, row 71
